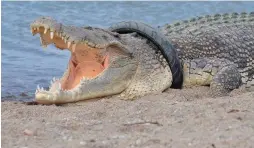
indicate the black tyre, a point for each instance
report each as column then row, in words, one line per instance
column 155, row 36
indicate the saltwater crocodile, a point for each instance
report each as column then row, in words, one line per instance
column 213, row 50
column 105, row 63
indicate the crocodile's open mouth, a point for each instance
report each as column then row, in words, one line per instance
column 98, row 63
column 86, row 60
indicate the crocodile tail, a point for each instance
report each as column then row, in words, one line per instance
column 155, row 36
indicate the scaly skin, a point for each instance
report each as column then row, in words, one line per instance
column 216, row 50
column 104, row 63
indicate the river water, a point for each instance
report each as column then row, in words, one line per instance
column 25, row 64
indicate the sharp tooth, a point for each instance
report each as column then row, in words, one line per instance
column 74, row 47
column 44, row 46
column 41, row 40
column 69, row 44
column 83, row 79
column 38, row 87
column 51, row 35
column 45, row 31
column 32, row 30
column 59, row 86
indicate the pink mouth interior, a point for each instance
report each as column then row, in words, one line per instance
column 85, row 69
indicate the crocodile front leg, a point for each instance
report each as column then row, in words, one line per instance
column 221, row 75
column 227, row 79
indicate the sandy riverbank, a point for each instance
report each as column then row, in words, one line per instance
column 176, row 118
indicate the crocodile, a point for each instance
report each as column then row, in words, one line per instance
column 215, row 50
column 105, row 63
column 132, row 59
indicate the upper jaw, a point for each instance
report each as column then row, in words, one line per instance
column 66, row 36
column 46, row 22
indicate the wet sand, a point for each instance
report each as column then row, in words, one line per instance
column 175, row 118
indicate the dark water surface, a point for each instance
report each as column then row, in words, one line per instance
column 25, row 64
